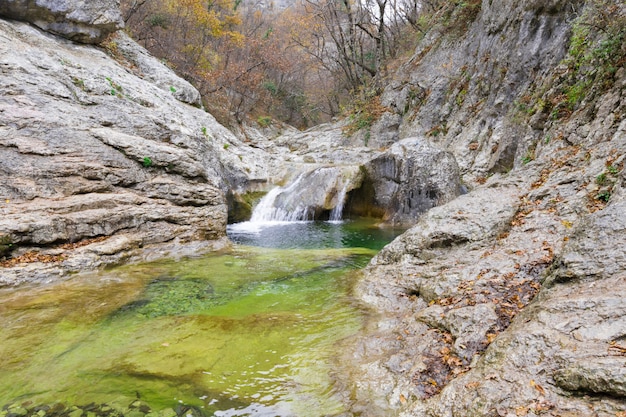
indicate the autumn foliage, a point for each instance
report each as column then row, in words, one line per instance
column 302, row 63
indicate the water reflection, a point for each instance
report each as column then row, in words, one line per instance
column 308, row 235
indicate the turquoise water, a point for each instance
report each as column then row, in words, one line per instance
column 251, row 331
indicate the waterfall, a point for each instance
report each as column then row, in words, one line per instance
column 336, row 214
column 310, row 195
column 289, row 211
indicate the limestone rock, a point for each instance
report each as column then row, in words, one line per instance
column 92, row 148
column 530, row 265
column 155, row 71
column 410, row 178
column 460, row 91
column 602, row 376
column 81, row 21
column 314, row 194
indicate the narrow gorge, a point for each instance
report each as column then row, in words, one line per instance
column 495, row 173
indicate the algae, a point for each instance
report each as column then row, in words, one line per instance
column 253, row 329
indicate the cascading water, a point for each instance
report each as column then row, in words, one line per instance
column 322, row 190
column 336, row 214
column 290, row 210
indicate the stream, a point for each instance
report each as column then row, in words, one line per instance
column 252, row 331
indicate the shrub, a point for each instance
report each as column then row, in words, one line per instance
column 264, row 121
column 147, row 162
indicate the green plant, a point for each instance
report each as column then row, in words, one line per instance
column 147, row 162
column 459, row 14
column 172, row 89
column 595, row 52
column 530, row 154
column 226, row 146
column 158, row 20
column 116, row 89
column 79, row 83
column 271, row 87
column 577, row 92
column 437, row 130
column 264, row 121
column 204, row 131
column 612, row 169
column 460, row 98
column 601, row 179
column 6, row 245
column 604, row 196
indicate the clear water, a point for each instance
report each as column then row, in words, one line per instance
column 253, row 331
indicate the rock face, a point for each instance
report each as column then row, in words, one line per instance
column 81, row 21
column 407, row 180
column 320, row 193
column 93, row 148
column 460, row 90
column 508, row 300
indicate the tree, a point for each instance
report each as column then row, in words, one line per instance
column 300, row 65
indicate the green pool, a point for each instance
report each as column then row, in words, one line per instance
column 252, row 331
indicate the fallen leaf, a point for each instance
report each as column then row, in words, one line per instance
column 521, row 411
column 537, row 387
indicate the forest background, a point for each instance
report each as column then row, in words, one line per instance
column 301, row 62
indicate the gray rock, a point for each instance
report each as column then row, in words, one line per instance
column 80, row 21
column 91, row 149
column 410, row 178
column 530, row 265
column 605, row 376
column 312, row 194
column 153, row 70
column 461, row 90
column 599, row 253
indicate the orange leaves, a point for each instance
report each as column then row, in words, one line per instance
column 30, row 257
column 616, row 350
column 538, row 387
column 538, row 406
column 34, row 256
column 214, row 18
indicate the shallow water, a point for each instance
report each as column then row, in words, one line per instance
column 249, row 332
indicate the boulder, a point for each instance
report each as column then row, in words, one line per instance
column 407, row 180
column 319, row 193
column 518, row 288
column 80, row 21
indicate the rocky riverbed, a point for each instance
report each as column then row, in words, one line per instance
column 506, row 298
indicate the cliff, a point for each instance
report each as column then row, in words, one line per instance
column 509, row 300
column 106, row 156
